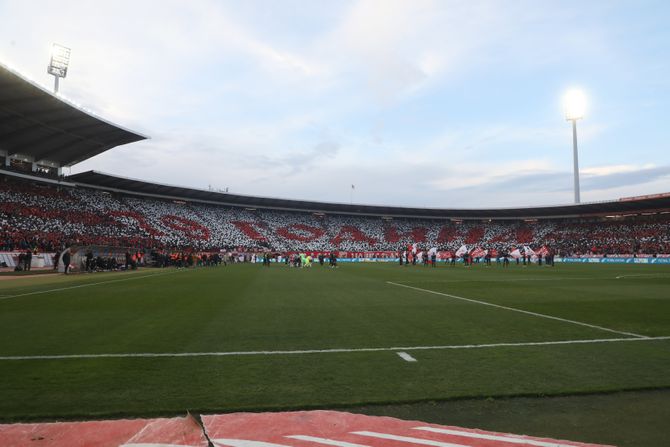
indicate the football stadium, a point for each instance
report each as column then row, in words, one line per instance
column 141, row 313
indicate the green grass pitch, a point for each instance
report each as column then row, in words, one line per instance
column 250, row 312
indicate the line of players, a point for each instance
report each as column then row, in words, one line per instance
column 407, row 257
column 410, row 257
column 303, row 260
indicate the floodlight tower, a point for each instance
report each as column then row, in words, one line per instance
column 575, row 105
column 60, row 59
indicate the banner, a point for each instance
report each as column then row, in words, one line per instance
column 478, row 252
column 592, row 260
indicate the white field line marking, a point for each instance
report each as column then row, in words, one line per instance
column 406, row 357
column 244, row 443
column 325, row 441
column 324, row 351
column 510, row 439
column 6, row 297
column 527, row 312
column 411, row 440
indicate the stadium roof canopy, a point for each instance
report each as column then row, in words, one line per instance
column 37, row 124
column 140, row 187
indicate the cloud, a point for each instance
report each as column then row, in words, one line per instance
column 535, row 185
column 296, row 162
column 596, row 171
column 396, row 48
column 629, row 176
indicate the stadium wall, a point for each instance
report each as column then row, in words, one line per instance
column 616, row 260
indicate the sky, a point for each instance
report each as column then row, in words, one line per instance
column 442, row 103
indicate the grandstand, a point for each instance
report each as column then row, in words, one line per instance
column 95, row 209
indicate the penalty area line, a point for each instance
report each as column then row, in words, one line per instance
column 514, row 309
column 328, row 351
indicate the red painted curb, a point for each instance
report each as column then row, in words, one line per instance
column 324, row 428
column 293, row 429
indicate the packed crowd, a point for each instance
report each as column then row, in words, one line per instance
column 37, row 216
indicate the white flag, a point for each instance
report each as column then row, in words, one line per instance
column 461, row 251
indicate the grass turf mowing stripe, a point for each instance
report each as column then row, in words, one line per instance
column 645, row 275
column 580, row 278
column 323, row 351
column 590, row 278
column 517, row 310
column 59, row 289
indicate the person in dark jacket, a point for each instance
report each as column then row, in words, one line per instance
column 66, row 260
column 89, row 261
column 27, row 259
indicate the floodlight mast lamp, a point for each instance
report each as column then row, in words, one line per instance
column 60, row 59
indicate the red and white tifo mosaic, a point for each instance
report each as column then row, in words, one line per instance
column 293, row 429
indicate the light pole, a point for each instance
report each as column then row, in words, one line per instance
column 575, row 104
column 575, row 157
column 60, row 59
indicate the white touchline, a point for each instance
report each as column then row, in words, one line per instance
column 325, row 351
column 6, row 297
column 411, row 440
column 527, row 312
column 406, row 357
column 509, row 439
column 325, row 441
